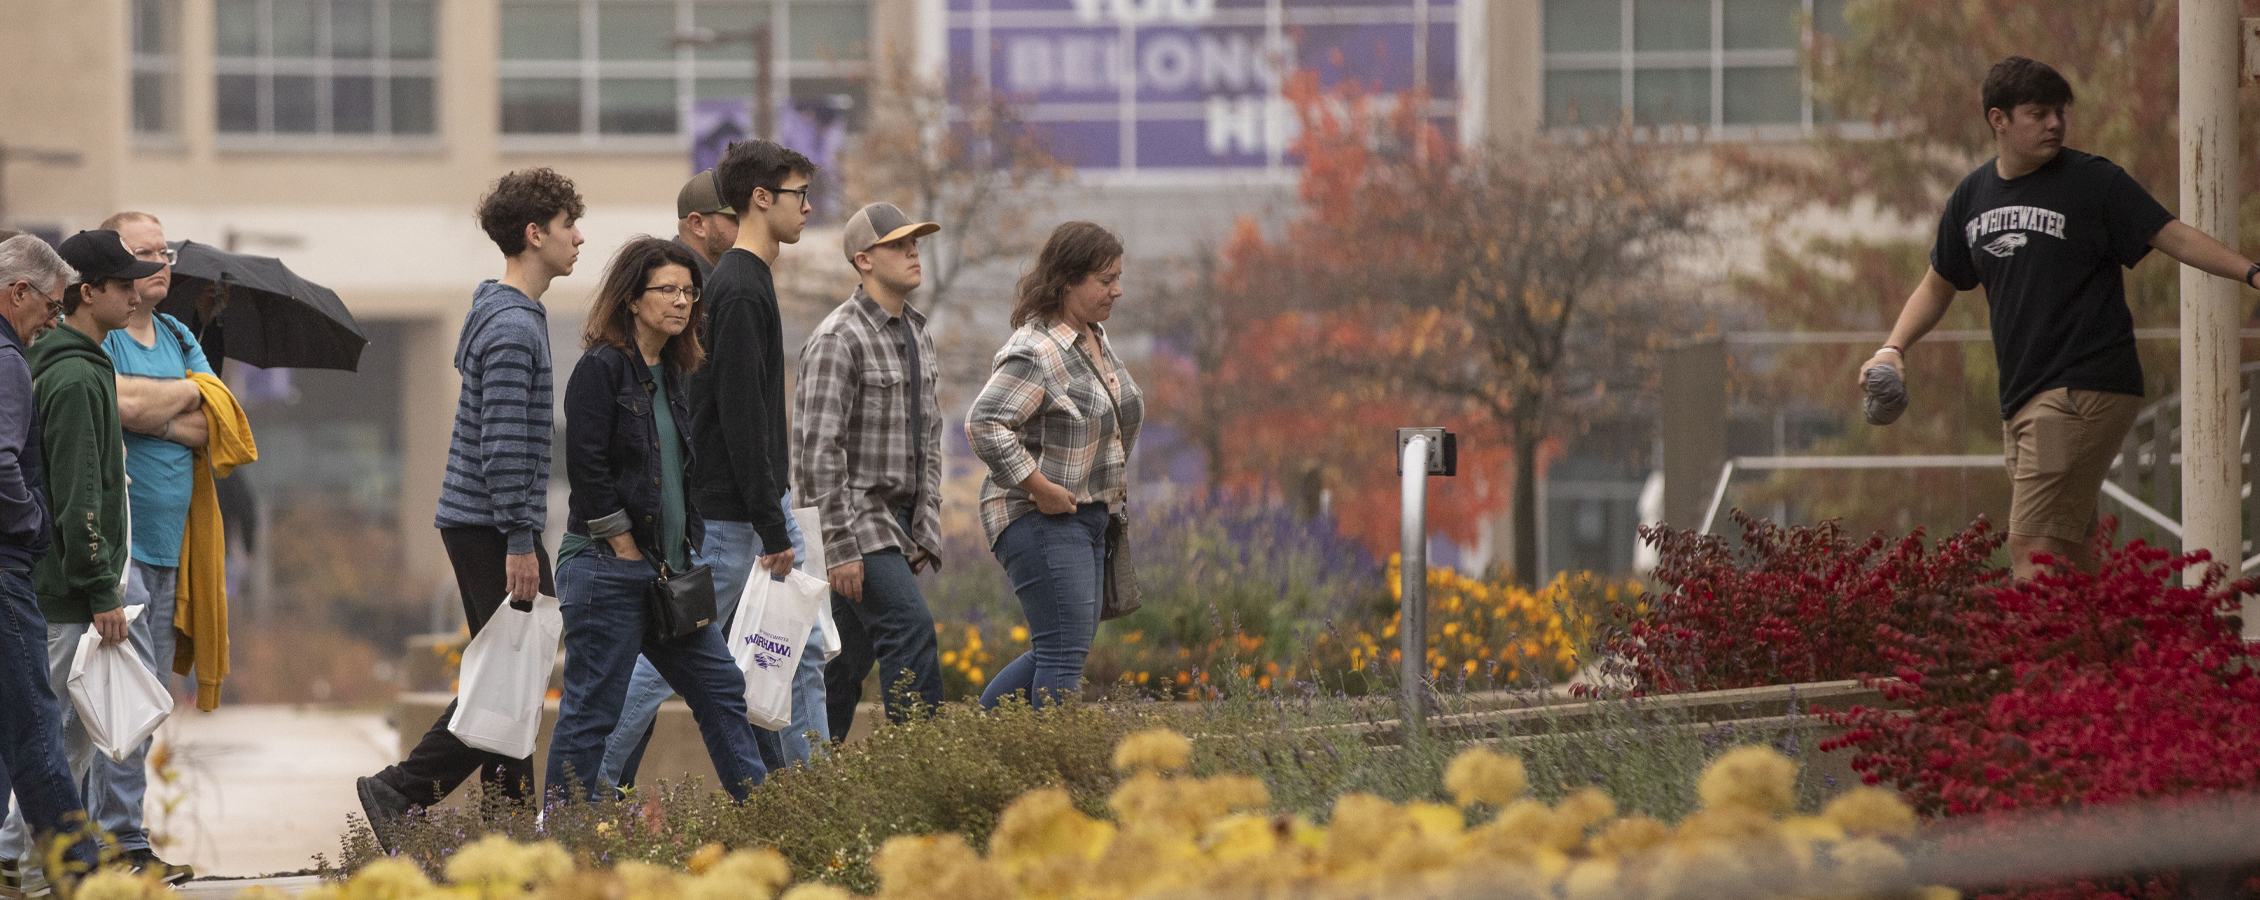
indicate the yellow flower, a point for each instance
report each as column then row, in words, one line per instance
column 1630, row 836
column 1480, row 775
column 1871, row 812
column 705, row 858
column 112, row 884
column 1152, row 751
column 1753, row 778
column 751, row 874
column 389, row 879
column 937, row 867
column 1044, row 824
column 1020, row 633
column 816, row 890
column 1576, row 813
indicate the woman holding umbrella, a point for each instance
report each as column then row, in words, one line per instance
column 630, row 521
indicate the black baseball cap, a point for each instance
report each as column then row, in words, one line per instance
column 101, row 254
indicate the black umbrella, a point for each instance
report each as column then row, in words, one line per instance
column 266, row 315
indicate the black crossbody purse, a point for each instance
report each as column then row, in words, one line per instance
column 676, row 604
column 1121, row 595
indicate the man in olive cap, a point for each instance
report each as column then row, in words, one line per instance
column 704, row 221
column 867, row 447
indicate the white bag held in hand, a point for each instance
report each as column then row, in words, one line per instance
column 774, row 616
column 813, row 563
column 118, row 698
column 505, row 677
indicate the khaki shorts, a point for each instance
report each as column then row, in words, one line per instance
column 2059, row 449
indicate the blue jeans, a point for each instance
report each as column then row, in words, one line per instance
column 602, row 597
column 1055, row 563
column 731, row 548
column 33, row 762
column 892, row 627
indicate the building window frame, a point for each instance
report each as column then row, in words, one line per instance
column 325, row 68
column 1627, row 63
column 685, row 69
column 155, row 63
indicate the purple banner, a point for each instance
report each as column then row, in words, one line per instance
column 716, row 122
column 1195, row 84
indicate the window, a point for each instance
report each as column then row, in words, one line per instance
column 1707, row 63
column 156, row 66
column 612, row 71
column 327, row 70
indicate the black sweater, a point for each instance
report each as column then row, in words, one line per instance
column 740, row 467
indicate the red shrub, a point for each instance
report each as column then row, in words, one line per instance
column 1793, row 605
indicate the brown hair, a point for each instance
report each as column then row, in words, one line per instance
column 757, row 164
column 527, row 196
column 1075, row 251
column 2017, row 80
column 612, row 317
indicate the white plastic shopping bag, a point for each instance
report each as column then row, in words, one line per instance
column 118, row 698
column 505, row 678
column 812, row 562
column 767, row 638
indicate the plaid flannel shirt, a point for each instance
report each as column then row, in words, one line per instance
column 1047, row 407
column 855, row 459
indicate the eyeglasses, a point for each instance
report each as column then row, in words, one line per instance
column 803, row 192
column 166, row 255
column 669, row 292
column 54, row 306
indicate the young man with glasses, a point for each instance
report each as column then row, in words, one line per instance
column 740, row 465
column 34, row 765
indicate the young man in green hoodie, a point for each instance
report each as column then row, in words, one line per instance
column 76, row 391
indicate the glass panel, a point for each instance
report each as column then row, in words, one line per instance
column 294, row 104
column 1762, row 24
column 635, row 106
column 831, row 31
column 239, row 104
column 541, row 105
column 238, row 28
column 353, row 29
column 412, row 105
column 1583, row 98
column 152, row 102
column 541, row 31
column 353, row 105
column 411, row 29
column 294, row 28
column 1763, row 96
column 1671, row 97
column 1828, row 18
column 1584, row 26
column 152, row 27
column 634, row 30
column 722, row 87
column 727, row 17
column 1671, row 25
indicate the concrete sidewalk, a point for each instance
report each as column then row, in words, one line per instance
column 263, row 788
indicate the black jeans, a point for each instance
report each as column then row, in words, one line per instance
column 441, row 760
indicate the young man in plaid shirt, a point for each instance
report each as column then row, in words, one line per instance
column 867, row 440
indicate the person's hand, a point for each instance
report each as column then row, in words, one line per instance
column 1890, row 358
column 111, row 625
column 521, row 576
column 631, row 554
column 1052, row 499
column 847, row 580
column 779, row 563
column 921, row 560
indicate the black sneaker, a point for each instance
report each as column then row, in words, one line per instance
column 384, row 805
column 145, row 862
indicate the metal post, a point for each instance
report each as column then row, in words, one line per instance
column 2210, row 64
column 1412, row 624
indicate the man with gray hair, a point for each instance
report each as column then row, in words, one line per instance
column 33, row 764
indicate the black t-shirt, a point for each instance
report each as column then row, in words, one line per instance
column 2048, row 247
column 737, row 402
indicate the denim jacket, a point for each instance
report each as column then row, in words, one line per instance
column 612, row 449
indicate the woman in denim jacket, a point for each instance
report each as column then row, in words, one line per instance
column 625, row 453
column 1056, row 424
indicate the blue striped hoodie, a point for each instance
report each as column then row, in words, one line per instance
column 498, row 460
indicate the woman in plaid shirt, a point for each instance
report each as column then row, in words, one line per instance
column 1055, row 424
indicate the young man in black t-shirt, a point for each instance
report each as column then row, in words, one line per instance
column 2045, row 229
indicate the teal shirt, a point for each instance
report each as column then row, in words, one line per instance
column 673, row 517
column 163, row 472
column 671, row 506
